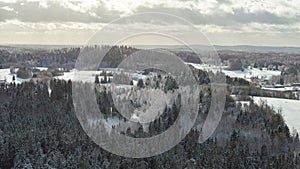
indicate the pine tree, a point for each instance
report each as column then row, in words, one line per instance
column 97, row 79
column 104, row 80
column 140, row 83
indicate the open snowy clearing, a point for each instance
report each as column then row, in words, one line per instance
column 246, row 74
column 74, row 75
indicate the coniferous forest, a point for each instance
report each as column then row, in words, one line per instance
column 40, row 130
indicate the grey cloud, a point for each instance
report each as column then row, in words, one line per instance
column 224, row 1
column 240, row 16
column 260, row 17
column 4, row 14
column 31, row 12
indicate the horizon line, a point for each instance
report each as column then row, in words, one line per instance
column 216, row 45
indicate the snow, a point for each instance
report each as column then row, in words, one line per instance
column 6, row 75
column 284, row 88
column 75, row 75
column 207, row 67
column 152, row 102
column 114, row 121
column 141, row 76
column 246, row 74
column 89, row 76
column 134, row 117
column 244, row 102
column 290, row 110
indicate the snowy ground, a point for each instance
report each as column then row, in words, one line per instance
column 290, row 110
column 247, row 74
column 6, row 75
column 74, row 75
column 207, row 67
column 85, row 76
column 89, row 76
column 285, row 88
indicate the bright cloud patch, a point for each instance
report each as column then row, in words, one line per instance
column 220, row 18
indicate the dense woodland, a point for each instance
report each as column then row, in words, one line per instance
column 39, row 130
column 66, row 57
column 261, row 59
column 63, row 58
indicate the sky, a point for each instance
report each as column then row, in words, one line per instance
column 223, row 22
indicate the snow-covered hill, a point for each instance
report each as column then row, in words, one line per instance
column 246, row 74
column 290, row 109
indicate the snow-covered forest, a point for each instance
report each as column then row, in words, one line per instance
column 39, row 130
column 39, row 127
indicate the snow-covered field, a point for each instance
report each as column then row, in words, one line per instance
column 290, row 110
column 74, row 75
column 247, row 74
column 285, row 88
column 6, row 75
column 89, row 76
column 207, row 67
column 85, row 76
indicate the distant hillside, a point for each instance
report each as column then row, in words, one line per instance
column 245, row 48
column 260, row 49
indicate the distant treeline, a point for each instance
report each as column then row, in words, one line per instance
column 66, row 57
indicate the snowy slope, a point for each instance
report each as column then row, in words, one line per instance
column 247, row 74
column 290, row 110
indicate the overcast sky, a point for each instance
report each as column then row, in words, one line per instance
column 224, row 22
